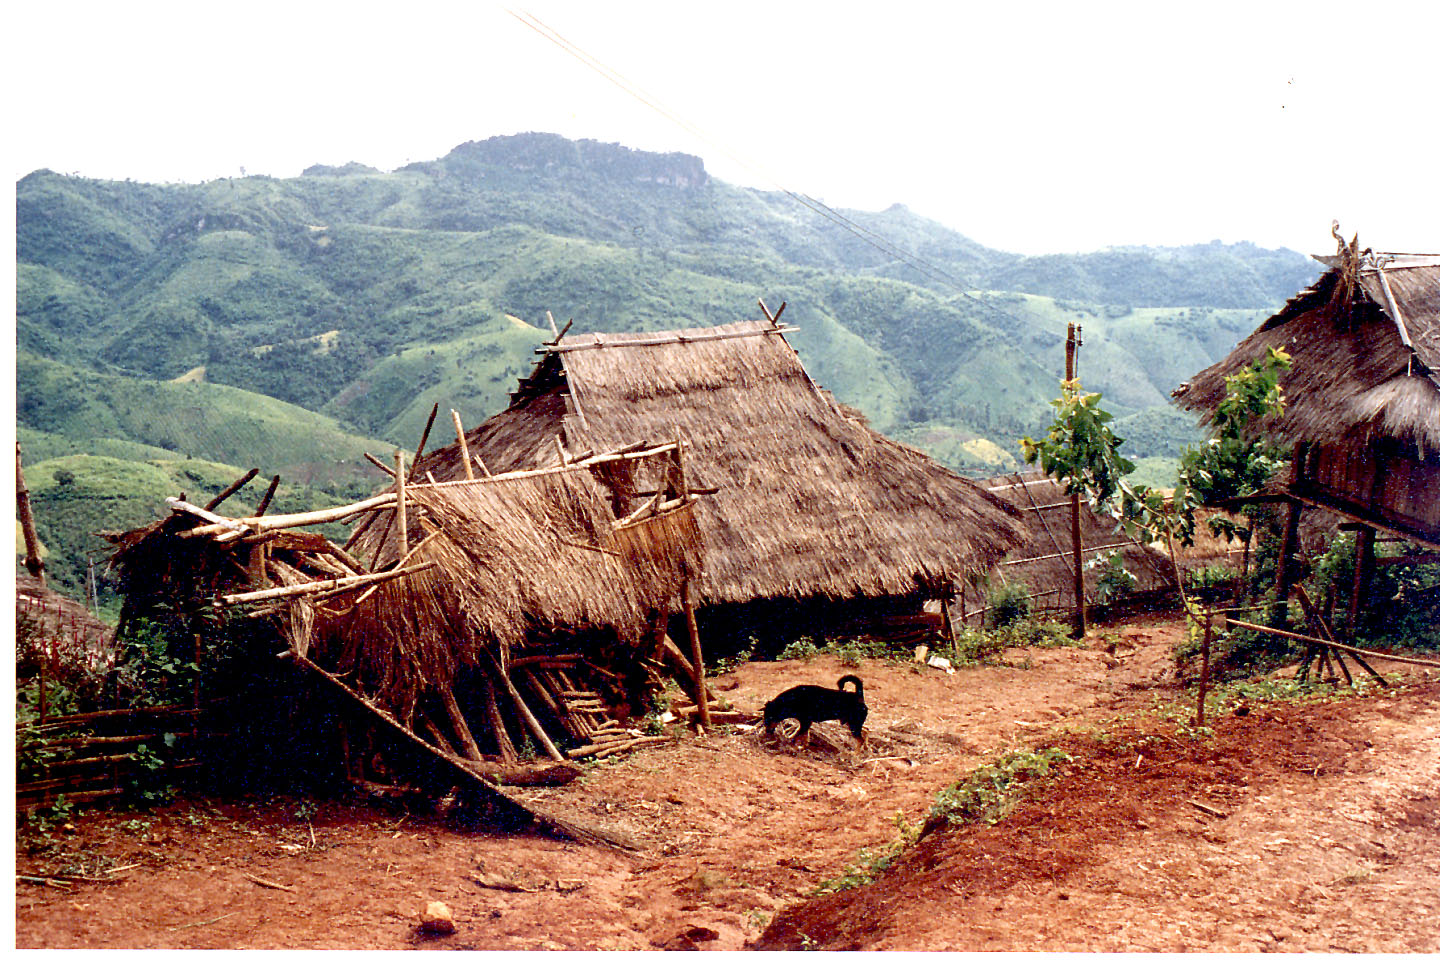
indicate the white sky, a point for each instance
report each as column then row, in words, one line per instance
column 1031, row 127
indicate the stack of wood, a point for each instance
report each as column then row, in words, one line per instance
column 85, row 757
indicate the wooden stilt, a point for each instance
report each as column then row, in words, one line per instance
column 524, row 709
column 1285, row 574
column 702, row 694
column 503, row 746
column 1360, row 581
column 457, row 720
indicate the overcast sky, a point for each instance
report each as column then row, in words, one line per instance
column 1031, row 127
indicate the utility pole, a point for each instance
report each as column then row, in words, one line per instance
column 1072, row 346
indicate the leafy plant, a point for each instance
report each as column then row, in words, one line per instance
column 1009, row 603
column 989, row 793
column 802, row 649
column 1114, row 581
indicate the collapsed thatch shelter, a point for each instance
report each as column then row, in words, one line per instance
column 464, row 616
column 808, row 502
column 1362, row 399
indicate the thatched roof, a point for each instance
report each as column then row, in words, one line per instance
column 1045, row 565
column 493, row 560
column 808, row 501
column 1366, row 365
column 512, row 555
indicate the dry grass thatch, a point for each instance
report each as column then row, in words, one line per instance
column 1364, row 369
column 807, row 501
column 511, row 556
column 1046, row 564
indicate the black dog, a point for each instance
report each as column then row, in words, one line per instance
column 809, row 703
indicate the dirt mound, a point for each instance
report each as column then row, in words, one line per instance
column 1296, row 827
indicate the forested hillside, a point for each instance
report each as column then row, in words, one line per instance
column 291, row 324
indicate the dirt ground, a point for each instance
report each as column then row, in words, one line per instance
column 1320, row 832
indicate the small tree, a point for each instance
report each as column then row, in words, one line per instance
column 1080, row 450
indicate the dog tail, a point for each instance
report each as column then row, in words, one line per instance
column 851, row 678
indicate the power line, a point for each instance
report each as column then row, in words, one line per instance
column 926, row 268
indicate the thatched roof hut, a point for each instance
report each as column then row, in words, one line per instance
column 1045, row 565
column 807, row 500
column 1363, row 395
column 464, row 616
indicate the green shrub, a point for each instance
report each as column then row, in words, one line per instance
column 989, row 793
column 1009, row 603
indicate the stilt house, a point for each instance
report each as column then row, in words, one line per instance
column 1362, row 399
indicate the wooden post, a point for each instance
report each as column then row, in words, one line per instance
column 1072, row 345
column 503, row 746
column 525, row 714
column 702, row 695
column 1285, row 572
column 1360, row 582
column 269, row 495
column 1204, row 672
column 33, row 561
column 224, row 495
column 424, row 435
column 457, row 720
column 403, row 543
column 464, row 447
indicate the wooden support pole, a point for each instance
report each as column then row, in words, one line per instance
column 403, row 543
column 223, row 495
column 525, row 714
column 503, row 746
column 464, row 447
column 1072, row 344
column 269, row 496
column 1360, row 582
column 1285, row 574
column 702, row 695
column 457, row 720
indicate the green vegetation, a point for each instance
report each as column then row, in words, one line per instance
column 992, row 791
column 308, row 319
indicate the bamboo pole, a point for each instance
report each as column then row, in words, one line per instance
column 33, row 561
column 318, row 586
column 457, row 720
column 464, row 447
column 223, row 495
column 212, row 519
column 403, row 544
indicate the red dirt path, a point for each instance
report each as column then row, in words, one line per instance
column 1329, row 840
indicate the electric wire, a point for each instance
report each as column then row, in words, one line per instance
column 879, row 242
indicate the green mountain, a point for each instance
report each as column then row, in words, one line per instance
column 292, row 324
